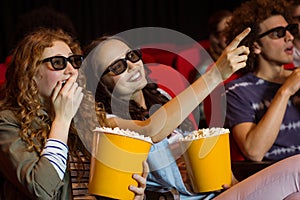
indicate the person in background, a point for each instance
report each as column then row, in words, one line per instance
column 263, row 105
column 38, row 102
column 295, row 11
column 216, row 25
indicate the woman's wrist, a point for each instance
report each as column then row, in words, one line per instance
column 60, row 130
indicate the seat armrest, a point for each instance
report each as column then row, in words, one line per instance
column 244, row 169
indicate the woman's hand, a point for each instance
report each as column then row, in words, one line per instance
column 233, row 57
column 66, row 99
column 140, row 190
column 233, row 182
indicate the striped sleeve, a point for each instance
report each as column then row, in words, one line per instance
column 56, row 152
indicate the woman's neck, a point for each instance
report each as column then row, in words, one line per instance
column 139, row 98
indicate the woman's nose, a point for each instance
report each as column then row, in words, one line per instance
column 130, row 65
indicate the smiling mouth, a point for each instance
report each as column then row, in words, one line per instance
column 135, row 77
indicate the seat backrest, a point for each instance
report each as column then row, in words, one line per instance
column 171, row 81
column 214, row 107
column 192, row 60
column 215, row 103
column 159, row 54
column 3, row 67
column 2, row 73
column 186, row 62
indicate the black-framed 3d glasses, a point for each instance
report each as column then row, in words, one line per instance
column 60, row 62
column 120, row 65
column 280, row 31
column 297, row 17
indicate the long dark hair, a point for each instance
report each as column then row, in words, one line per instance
column 131, row 110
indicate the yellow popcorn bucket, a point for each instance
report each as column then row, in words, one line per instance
column 114, row 160
column 208, row 162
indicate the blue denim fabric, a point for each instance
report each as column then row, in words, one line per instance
column 164, row 172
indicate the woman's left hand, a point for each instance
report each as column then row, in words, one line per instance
column 140, row 190
column 233, row 182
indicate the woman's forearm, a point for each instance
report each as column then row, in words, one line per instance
column 169, row 116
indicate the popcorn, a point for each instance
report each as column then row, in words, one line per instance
column 123, row 132
column 204, row 133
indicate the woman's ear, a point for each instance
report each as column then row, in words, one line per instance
column 257, row 48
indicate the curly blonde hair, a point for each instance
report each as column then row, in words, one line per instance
column 20, row 92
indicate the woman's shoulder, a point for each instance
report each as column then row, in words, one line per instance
column 8, row 116
column 9, row 125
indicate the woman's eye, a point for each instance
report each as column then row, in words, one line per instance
column 57, row 62
column 116, row 66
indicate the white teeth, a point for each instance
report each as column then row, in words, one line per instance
column 137, row 75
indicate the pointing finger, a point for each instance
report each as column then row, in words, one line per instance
column 238, row 39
